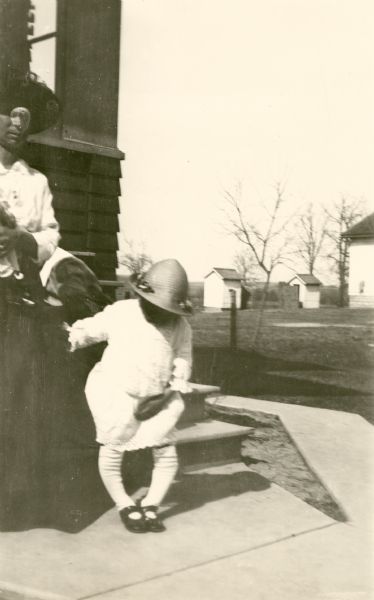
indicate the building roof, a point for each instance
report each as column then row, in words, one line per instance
column 307, row 278
column 362, row 229
column 231, row 274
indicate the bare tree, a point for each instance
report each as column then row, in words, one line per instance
column 262, row 229
column 135, row 258
column 246, row 265
column 311, row 234
column 343, row 215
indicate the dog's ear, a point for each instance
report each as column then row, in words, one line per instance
column 79, row 289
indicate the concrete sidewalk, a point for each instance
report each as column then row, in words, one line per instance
column 230, row 532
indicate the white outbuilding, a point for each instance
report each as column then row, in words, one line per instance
column 309, row 288
column 217, row 286
column 361, row 263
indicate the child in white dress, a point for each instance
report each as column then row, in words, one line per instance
column 148, row 354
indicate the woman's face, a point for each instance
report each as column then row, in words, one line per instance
column 14, row 128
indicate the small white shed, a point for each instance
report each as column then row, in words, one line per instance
column 217, row 286
column 309, row 290
column 361, row 261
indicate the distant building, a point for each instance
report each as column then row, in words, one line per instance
column 361, row 263
column 217, row 286
column 309, row 288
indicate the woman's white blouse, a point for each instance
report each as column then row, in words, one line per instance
column 140, row 358
column 26, row 193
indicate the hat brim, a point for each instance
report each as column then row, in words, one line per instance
column 157, row 301
column 42, row 103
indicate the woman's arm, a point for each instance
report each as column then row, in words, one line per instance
column 48, row 236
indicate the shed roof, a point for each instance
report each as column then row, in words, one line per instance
column 307, row 278
column 230, row 274
column 362, row 229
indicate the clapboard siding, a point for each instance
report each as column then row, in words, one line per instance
column 103, row 204
column 107, row 167
column 101, row 241
column 85, row 188
column 106, row 260
column 103, row 222
column 72, row 201
column 71, row 221
column 73, row 241
column 98, row 184
column 60, row 180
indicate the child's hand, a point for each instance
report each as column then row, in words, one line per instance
column 180, row 385
column 179, row 379
column 72, row 342
column 181, row 369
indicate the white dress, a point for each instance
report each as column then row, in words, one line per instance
column 139, row 361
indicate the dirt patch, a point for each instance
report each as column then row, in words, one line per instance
column 321, row 358
column 270, row 452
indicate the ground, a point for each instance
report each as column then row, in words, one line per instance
column 322, row 358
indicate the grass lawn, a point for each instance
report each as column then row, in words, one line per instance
column 322, row 358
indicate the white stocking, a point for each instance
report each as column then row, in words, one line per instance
column 110, row 462
column 165, row 467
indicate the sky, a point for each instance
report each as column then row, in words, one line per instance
column 213, row 92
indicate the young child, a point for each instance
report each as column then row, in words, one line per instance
column 19, row 272
column 148, row 354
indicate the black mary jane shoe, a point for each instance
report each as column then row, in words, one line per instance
column 153, row 523
column 131, row 524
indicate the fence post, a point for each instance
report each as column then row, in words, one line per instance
column 232, row 318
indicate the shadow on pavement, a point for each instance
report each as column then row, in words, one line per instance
column 193, row 490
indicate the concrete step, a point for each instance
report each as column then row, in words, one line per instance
column 209, row 443
column 195, row 402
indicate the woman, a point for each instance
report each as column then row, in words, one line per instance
column 47, row 467
column 26, row 106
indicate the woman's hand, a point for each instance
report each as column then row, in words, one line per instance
column 8, row 239
column 18, row 239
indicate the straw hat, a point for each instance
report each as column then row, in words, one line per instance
column 165, row 285
column 32, row 93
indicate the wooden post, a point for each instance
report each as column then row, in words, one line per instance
column 232, row 318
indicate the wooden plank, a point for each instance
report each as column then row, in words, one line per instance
column 103, row 204
column 103, row 273
column 101, row 241
column 52, row 158
column 105, row 166
column 74, row 182
column 81, row 254
column 73, row 241
column 103, row 186
column 102, row 222
column 110, row 283
column 72, row 201
column 71, row 221
column 105, row 260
